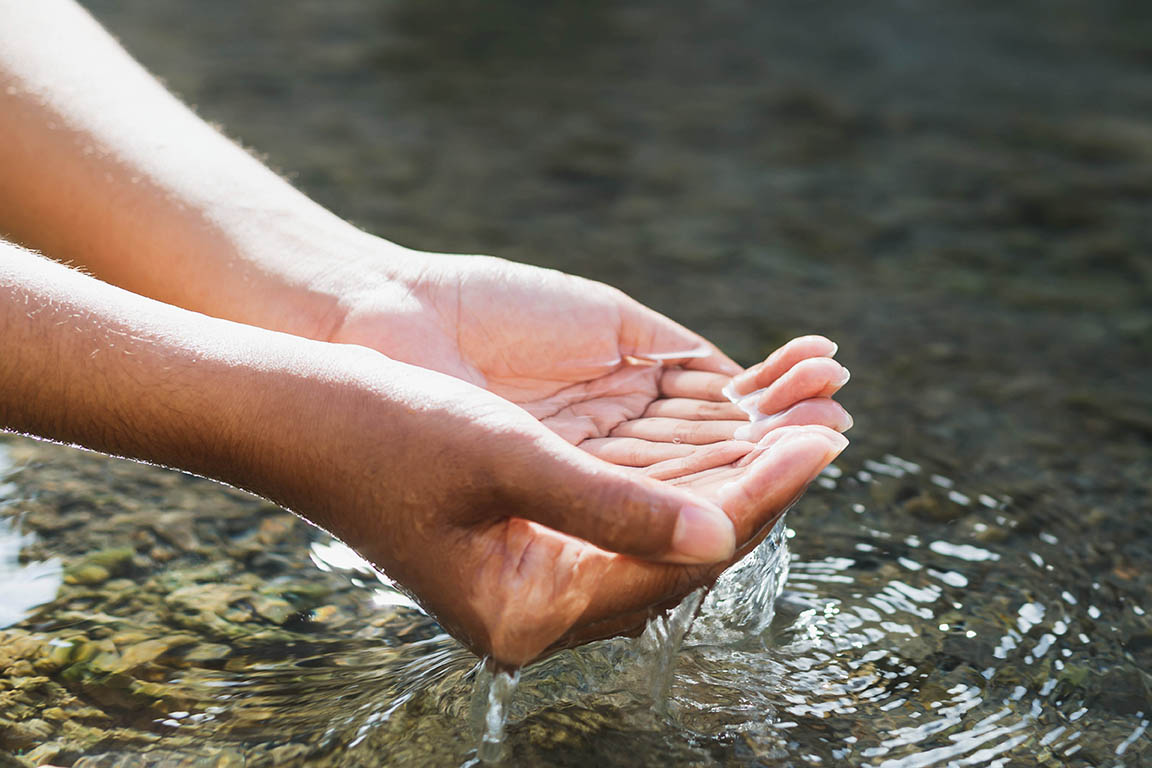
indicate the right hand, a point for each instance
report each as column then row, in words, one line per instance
column 514, row 540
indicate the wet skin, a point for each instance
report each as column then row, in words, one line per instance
column 629, row 387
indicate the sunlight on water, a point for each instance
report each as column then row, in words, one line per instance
column 25, row 585
column 913, row 625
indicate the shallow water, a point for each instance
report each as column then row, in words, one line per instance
column 956, row 191
column 946, row 637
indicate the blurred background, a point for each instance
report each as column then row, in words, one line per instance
column 959, row 192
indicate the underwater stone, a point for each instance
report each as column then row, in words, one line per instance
column 149, row 650
column 25, row 733
column 205, row 598
column 208, row 652
column 44, row 753
column 114, row 559
column 275, row 609
column 228, row 759
column 89, row 574
column 1123, row 691
column 176, row 528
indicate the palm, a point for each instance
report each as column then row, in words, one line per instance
column 581, row 357
column 624, row 384
column 563, row 348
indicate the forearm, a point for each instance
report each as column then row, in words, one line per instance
column 84, row 362
column 102, row 167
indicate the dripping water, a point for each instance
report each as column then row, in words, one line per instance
column 491, row 699
column 658, row 646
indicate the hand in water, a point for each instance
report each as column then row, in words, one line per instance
column 685, row 437
column 592, row 366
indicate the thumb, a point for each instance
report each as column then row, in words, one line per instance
column 648, row 335
column 577, row 494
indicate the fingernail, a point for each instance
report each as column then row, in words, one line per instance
column 835, row 349
column 836, row 445
column 843, row 378
column 703, row 535
column 836, row 442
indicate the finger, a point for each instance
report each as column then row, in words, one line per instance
column 708, row 483
column 647, row 334
column 634, row 452
column 630, row 624
column 617, row 510
column 754, row 501
column 678, row 430
column 776, row 436
column 698, row 385
column 700, row 460
column 819, row 410
column 717, row 362
column 780, row 361
column 689, row 408
column 814, row 377
column 776, row 478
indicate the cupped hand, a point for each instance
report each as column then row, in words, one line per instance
column 520, row 543
column 580, row 356
column 590, row 542
column 695, row 438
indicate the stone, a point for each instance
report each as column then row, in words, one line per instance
column 205, row 598
column 115, row 559
column 274, row 528
column 149, row 650
column 275, row 609
column 89, row 574
column 208, row 652
column 44, row 753
column 228, row 759
column 176, row 528
column 1124, row 691
column 25, row 733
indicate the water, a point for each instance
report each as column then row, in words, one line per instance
column 26, row 585
column 492, row 696
column 943, row 637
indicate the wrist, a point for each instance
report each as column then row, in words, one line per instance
column 307, row 269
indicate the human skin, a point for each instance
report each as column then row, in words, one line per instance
column 571, row 456
column 488, row 516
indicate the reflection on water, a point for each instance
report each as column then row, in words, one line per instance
column 917, row 626
column 23, row 586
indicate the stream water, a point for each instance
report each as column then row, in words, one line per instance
column 945, row 637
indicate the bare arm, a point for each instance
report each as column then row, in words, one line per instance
column 435, row 480
column 90, row 364
column 101, row 166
